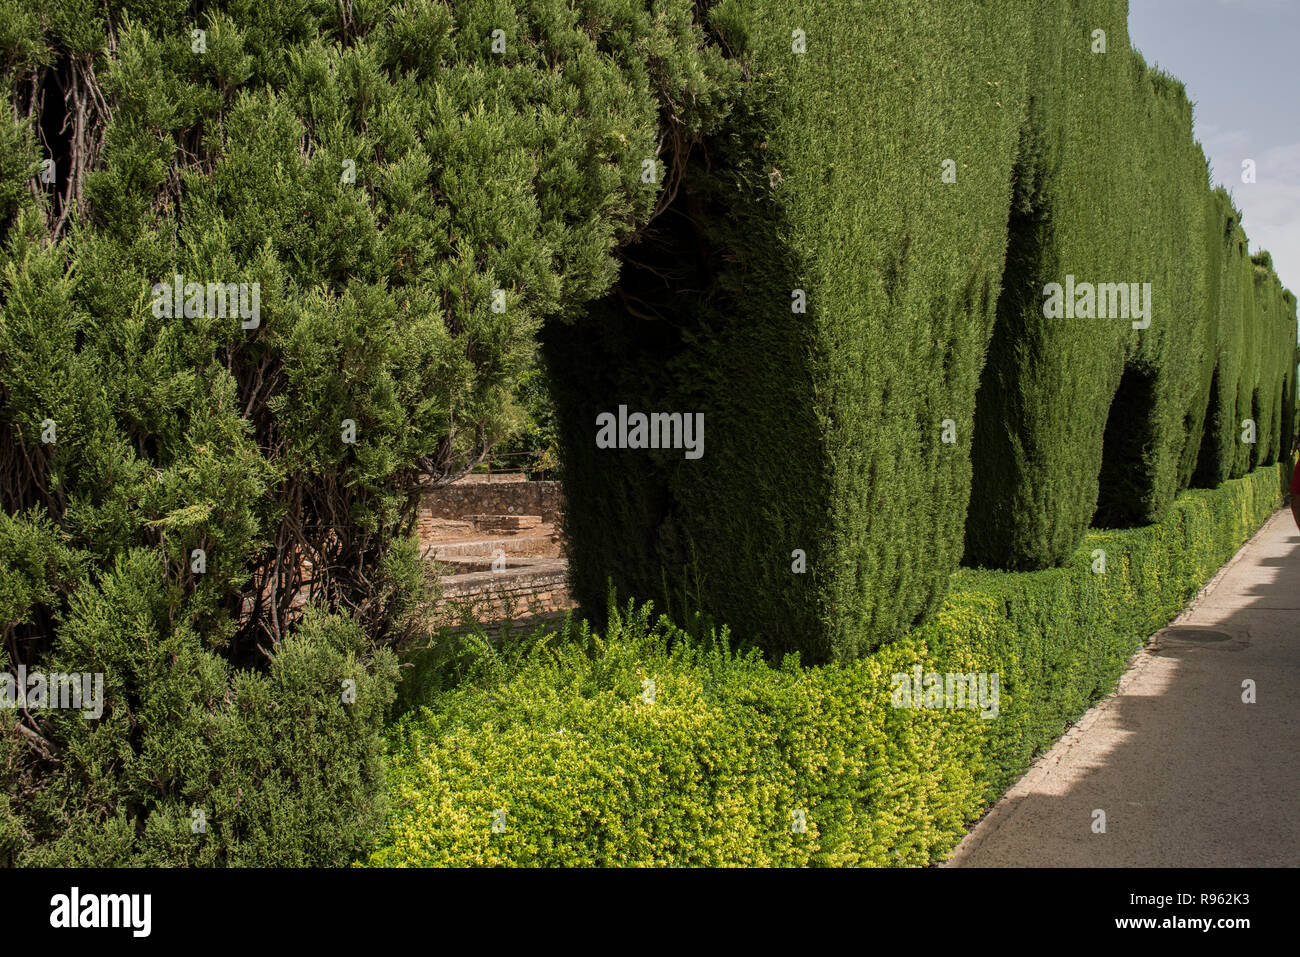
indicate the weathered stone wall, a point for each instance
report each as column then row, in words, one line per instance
column 542, row 588
column 461, row 499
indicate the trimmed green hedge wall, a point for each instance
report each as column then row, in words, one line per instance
column 1092, row 421
column 1047, row 383
column 1159, row 407
column 1088, row 419
column 1220, row 443
column 1273, row 399
column 824, row 429
column 588, row 772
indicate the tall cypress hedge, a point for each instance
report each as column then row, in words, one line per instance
column 1275, row 390
column 1219, row 437
column 824, row 428
column 1048, row 382
column 1158, row 409
column 1255, row 370
column 1085, row 421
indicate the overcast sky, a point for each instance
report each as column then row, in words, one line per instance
column 1240, row 61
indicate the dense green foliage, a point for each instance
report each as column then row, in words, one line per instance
column 583, row 763
column 282, row 771
column 213, row 510
column 379, row 169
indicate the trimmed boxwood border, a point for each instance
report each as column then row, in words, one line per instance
column 644, row 746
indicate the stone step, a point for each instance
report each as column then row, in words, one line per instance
column 536, row 575
column 540, row 546
column 506, row 523
column 445, row 528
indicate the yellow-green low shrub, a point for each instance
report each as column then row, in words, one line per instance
column 646, row 747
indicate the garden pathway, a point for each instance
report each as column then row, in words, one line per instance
column 1186, row 773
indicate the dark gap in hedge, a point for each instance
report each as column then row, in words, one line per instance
column 1286, row 440
column 1259, row 450
column 56, row 133
column 1128, row 442
column 1207, row 467
column 994, row 468
column 619, row 353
